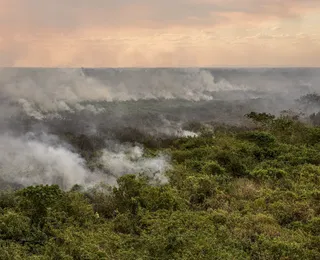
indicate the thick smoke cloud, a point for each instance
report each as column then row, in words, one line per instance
column 28, row 161
column 40, row 108
column 41, row 91
column 54, row 89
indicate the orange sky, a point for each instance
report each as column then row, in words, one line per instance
column 151, row 33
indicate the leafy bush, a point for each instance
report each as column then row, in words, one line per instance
column 259, row 138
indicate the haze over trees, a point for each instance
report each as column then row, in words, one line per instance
column 232, row 193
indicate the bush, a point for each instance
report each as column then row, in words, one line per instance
column 269, row 174
column 213, row 168
column 259, row 138
column 14, row 226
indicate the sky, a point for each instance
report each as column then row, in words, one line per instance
column 159, row 33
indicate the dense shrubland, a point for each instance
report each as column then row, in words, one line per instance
column 236, row 193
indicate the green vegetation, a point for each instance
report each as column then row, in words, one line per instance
column 232, row 194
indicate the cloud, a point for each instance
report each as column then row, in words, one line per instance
column 74, row 14
column 146, row 33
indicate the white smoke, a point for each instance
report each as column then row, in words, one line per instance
column 31, row 160
column 171, row 128
column 30, row 110
column 52, row 90
column 126, row 159
column 43, row 91
column 28, row 162
column 186, row 133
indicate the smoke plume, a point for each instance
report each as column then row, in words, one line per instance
column 56, row 124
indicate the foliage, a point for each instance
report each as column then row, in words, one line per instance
column 232, row 194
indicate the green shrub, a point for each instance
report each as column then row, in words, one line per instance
column 269, row 174
column 259, row 138
column 213, row 168
column 14, row 226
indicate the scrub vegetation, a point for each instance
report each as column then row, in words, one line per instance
column 232, row 193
